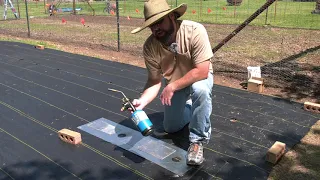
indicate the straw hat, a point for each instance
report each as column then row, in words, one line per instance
column 154, row 10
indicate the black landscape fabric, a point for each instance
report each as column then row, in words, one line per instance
column 44, row 91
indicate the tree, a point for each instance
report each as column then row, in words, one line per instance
column 234, row 2
column 317, row 9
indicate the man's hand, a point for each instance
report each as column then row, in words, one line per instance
column 151, row 90
column 138, row 104
column 167, row 94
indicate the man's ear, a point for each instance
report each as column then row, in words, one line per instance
column 171, row 16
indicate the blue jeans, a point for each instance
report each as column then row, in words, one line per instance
column 191, row 105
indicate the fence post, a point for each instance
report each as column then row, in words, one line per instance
column 26, row 3
column 266, row 20
column 18, row 8
column 74, row 7
column 45, row 7
column 118, row 24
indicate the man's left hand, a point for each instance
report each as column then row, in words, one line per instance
column 167, row 94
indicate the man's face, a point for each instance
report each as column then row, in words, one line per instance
column 163, row 30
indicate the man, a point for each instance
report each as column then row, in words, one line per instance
column 180, row 52
column 52, row 9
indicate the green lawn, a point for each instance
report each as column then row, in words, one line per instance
column 280, row 13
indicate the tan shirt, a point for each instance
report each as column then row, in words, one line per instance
column 193, row 48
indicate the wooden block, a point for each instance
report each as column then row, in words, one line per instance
column 275, row 152
column 256, row 85
column 39, row 46
column 313, row 107
column 69, row 136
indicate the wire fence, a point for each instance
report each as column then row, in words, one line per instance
column 284, row 13
column 283, row 40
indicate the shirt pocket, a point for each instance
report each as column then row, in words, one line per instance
column 168, row 64
column 184, row 62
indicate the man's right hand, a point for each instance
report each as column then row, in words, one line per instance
column 151, row 90
column 138, row 104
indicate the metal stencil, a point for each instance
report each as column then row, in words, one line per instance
column 150, row 148
column 161, row 151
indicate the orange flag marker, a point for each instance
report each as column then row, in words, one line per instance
column 82, row 21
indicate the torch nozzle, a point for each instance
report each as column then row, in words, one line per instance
column 126, row 101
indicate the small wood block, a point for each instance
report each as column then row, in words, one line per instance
column 313, row 107
column 69, row 136
column 39, row 46
column 256, row 85
column 275, row 152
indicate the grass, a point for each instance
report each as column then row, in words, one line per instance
column 302, row 162
column 280, row 13
column 29, row 41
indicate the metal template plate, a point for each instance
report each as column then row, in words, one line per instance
column 150, row 148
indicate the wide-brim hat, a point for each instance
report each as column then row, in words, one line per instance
column 154, row 10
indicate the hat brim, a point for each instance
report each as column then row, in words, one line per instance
column 181, row 9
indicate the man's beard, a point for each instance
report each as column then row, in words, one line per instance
column 167, row 37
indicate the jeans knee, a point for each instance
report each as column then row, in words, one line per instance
column 169, row 128
column 202, row 91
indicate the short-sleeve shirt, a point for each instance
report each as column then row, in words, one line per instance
column 193, row 47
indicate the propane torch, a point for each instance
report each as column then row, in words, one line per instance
column 139, row 117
